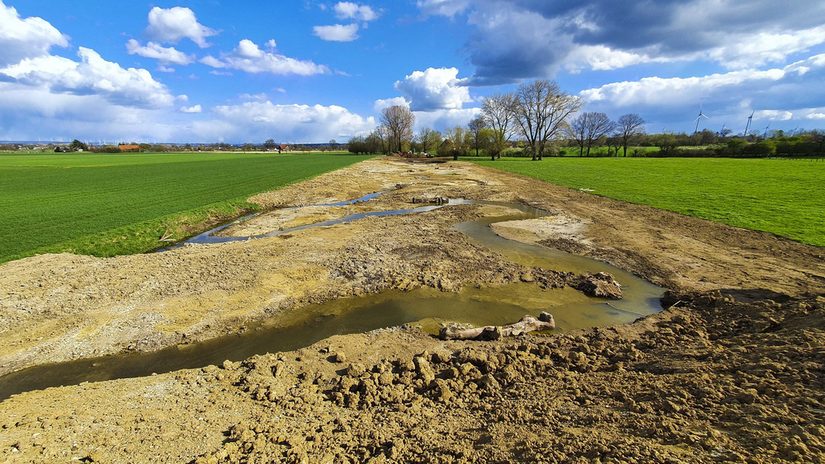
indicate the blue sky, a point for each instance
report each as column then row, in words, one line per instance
column 310, row 71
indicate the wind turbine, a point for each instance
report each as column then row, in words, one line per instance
column 699, row 118
column 766, row 131
column 748, row 125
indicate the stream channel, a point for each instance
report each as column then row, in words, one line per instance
column 425, row 306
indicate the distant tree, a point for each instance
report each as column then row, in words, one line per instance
column 667, row 144
column 459, row 138
column 77, row 145
column 487, row 139
column 398, row 121
column 589, row 127
column 541, row 111
column 333, row 144
column 270, row 144
column 613, row 144
column 499, row 113
column 429, row 140
column 628, row 126
column 476, row 126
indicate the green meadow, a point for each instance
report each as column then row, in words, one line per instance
column 785, row 197
column 106, row 205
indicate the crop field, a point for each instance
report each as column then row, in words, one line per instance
column 785, row 197
column 115, row 204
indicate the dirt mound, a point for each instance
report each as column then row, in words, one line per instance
column 718, row 377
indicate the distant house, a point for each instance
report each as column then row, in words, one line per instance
column 124, row 147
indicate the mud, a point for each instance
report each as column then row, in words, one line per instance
column 732, row 372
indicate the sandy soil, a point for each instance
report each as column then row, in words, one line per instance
column 733, row 372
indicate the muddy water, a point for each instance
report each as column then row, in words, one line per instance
column 639, row 294
column 427, row 307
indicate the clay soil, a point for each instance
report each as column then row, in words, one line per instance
column 732, row 371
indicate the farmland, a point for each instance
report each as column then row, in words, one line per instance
column 115, row 204
column 785, row 197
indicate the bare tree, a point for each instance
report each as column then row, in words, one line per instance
column 476, row 126
column 499, row 113
column 398, row 121
column 578, row 131
column 541, row 112
column 382, row 134
column 590, row 127
column 629, row 125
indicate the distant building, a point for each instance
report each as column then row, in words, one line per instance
column 128, row 147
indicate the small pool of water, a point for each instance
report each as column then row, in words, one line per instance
column 429, row 307
column 305, row 326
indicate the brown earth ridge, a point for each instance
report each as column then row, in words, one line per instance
column 732, row 371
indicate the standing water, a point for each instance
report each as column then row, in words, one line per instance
column 429, row 307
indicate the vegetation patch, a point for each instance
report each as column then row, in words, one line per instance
column 106, row 205
column 784, row 197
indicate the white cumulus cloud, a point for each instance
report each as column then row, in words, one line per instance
column 256, row 120
column 25, row 37
column 191, row 109
column 176, row 23
column 166, row 55
column 91, row 75
column 434, row 88
column 249, row 57
column 383, row 103
column 350, row 10
column 337, row 32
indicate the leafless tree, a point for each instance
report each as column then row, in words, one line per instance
column 382, row 133
column 398, row 121
column 476, row 126
column 499, row 114
column 587, row 128
column 541, row 111
column 629, row 125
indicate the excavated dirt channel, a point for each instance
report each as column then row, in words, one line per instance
column 475, row 306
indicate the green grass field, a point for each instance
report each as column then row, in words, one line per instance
column 785, row 197
column 116, row 204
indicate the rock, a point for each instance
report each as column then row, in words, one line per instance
column 600, row 285
column 547, row 317
column 339, row 357
column 424, row 369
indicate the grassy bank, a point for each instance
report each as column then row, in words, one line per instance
column 785, row 197
column 116, row 204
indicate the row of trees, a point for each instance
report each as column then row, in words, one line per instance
column 537, row 113
column 538, row 116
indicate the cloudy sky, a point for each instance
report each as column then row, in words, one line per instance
column 311, row 71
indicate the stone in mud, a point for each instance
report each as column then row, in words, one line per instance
column 600, row 285
column 339, row 357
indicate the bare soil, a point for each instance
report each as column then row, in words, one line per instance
column 731, row 372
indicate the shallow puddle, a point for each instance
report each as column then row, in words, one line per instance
column 429, row 307
column 476, row 306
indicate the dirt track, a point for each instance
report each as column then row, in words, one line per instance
column 730, row 375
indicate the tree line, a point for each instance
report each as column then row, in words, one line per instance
column 537, row 115
column 539, row 119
